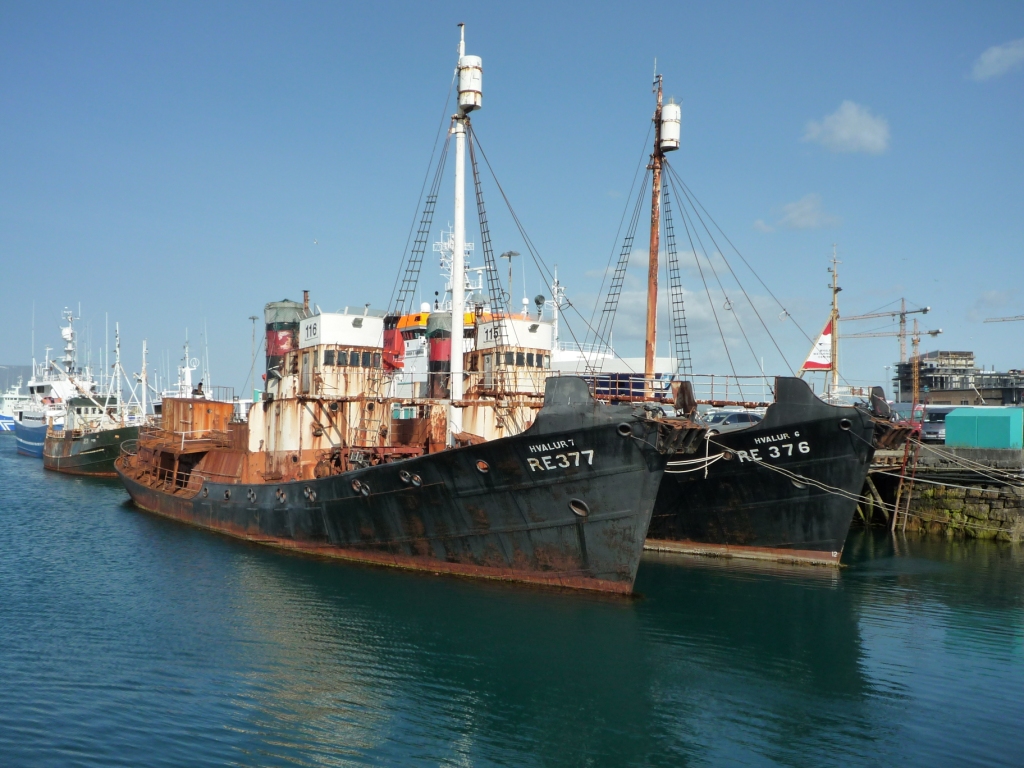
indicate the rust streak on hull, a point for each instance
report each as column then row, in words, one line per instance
column 182, row 510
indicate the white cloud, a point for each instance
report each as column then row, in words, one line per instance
column 760, row 226
column 807, row 213
column 851, row 128
column 998, row 60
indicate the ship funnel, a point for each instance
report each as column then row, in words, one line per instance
column 471, row 79
column 671, row 118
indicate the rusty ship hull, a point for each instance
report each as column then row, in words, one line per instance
column 784, row 489
column 566, row 503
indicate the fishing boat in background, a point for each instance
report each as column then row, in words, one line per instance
column 12, row 402
column 50, row 387
column 474, row 461
column 95, row 424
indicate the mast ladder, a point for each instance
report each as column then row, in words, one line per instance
column 680, row 336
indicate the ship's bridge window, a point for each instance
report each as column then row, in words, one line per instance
column 529, row 359
column 509, row 358
column 520, row 359
column 78, row 411
column 341, row 358
column 376, row 359
column 328, row 357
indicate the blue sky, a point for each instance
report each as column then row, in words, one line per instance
column 170, row 164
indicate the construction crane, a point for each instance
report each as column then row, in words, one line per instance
column 936, row 332
column 1013, row 319
column 915, row 357
column 901, row 313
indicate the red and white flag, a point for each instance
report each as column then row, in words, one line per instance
column 820, row 358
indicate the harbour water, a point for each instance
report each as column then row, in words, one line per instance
column 126, row 639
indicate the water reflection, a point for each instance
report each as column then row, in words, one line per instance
column 129, row 639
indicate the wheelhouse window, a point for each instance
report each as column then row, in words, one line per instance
column 328, row 357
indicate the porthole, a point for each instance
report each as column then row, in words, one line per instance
column 305, row 491
column 364, row 489
column 312, row 495
column 845, row 424
column 417, row 481
column 483, row 466
column 206, row 492
column 356, row 486
column 227, row 495
column 625, row 429
column 579, row 507
column 405, row 477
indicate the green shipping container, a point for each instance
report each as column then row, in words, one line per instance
column 985, row 427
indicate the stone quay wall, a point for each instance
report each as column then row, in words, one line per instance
column 981, row 511
column 963, row 492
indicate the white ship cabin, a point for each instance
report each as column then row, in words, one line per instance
column 512, row 354
column 336, row 353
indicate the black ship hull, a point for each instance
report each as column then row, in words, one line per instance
column 566, row 503
column 783, row 489
column 75, row 452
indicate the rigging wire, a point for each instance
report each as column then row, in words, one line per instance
column 711, row 301
column 729, row 303
column 611, row 304
column 625, row 208
column 534, row 254
column 672, row 173
column 743, row 258
column 423, row 186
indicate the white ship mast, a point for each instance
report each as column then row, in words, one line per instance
column 470, row 75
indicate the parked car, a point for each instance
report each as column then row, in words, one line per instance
column 933, row 430
column 729, row 421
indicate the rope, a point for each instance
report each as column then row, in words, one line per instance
column 974, row 466
column 842, row 492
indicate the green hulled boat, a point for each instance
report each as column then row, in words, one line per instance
column 90, row 440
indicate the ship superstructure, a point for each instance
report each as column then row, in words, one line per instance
column 52, row 385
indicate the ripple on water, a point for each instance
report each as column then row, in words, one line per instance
column 127, row 639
